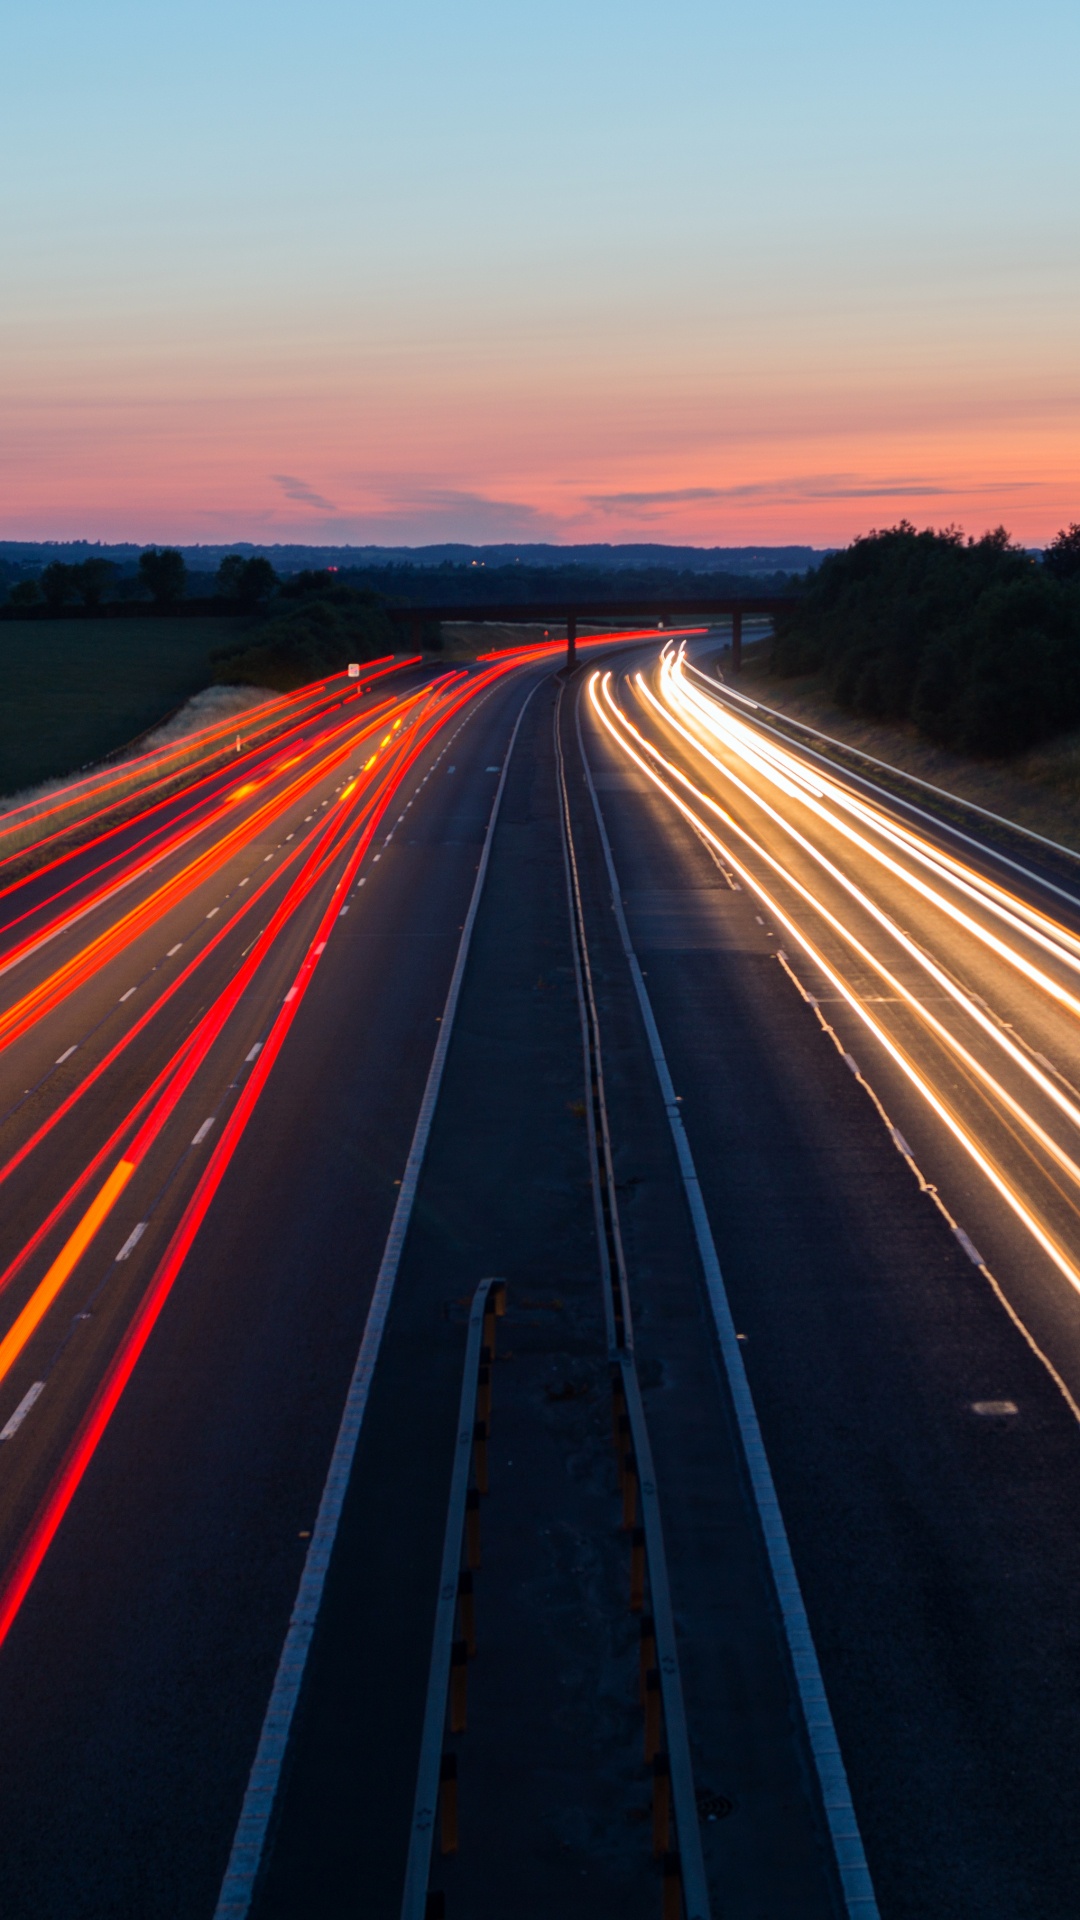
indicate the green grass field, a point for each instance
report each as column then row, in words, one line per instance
column 73, row 690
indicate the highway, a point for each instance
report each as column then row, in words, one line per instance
column 223, row 974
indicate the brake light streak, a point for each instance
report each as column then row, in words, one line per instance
column 331, row 850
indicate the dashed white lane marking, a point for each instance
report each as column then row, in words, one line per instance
column 132, row 1240
column 491, row 769
column 67, row 1055
column 343, row 912
column 377, row 856
column 22, row 1410
column 256, row 1049
column 266, row 857
column 969, row 1247
column 203, row 1131
column 127, row 995
column 212, row 912
column 173, row 950
column 290, row 836
column 361, row 883
column 244, row 882
column 977, row 1406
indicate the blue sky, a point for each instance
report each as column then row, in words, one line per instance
column 433, row 263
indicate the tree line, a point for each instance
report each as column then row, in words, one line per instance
column 975, row 641
column 161, row 575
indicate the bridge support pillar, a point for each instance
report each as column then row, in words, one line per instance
column 736, row 642
column 571, row 642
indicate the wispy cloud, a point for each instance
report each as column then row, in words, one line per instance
column 793, row 490
column 294, row 489
column 425, row 511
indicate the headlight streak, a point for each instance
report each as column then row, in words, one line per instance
column 977, row 886
column 993, row 1031
column 618, row 727
column 807, row 790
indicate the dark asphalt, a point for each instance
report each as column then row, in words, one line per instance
column 934, row 1546
column 553, row 1790
column 134, row 1681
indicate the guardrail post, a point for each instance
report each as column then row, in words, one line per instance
column 629, row 1491
column 448, row 1824
column 661, row 1805
column 459, row 1686
column 673, row 1900
column 652, row 1714
column 472, row 1529
column 480, row 1457
column 467, row 1611
column 637, row 1569
column 647, row 1655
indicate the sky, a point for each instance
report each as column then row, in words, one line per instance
column 691, row 271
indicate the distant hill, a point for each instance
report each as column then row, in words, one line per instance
column 28, row 556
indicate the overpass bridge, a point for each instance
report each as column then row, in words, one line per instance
column 672, row 610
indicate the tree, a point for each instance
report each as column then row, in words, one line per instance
column 249, row 580
column 163, row 570
column 91, row 580
column 1062, row 556
column 58, row 584
column 25, row 593
column 229, row 575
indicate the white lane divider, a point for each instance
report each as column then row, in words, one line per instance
column 255, row 1052
column 843, row 1826
column 212, row 912
column 22, row 1410
column 174, row 950
column 249, row 1841
column 132, row 1241
column 203, row 1131
column 127, row 995
column 67, row 1055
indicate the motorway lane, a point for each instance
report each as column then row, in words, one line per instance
column 553, row 1793
column 135, row 1677
column 156, row 1194
column 990, row 1020
column 936, row 1545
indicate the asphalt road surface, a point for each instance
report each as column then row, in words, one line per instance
column 216, row 1026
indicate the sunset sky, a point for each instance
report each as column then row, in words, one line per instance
column 686, row 271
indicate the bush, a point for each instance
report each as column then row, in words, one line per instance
column 973, row 640
column 318, row 638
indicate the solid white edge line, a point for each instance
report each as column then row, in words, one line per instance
column 832, row 1775
column 249, row 1840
